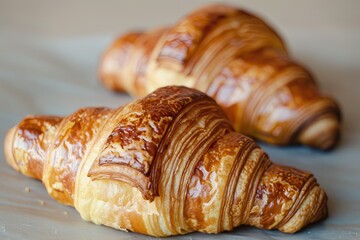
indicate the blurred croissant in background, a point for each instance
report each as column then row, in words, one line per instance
column 237, row 59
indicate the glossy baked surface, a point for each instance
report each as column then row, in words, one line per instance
column 166, row 164
column 52, row 70
column 239, row 60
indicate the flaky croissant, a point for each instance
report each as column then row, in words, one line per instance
column 237, row 59
column 166, row 164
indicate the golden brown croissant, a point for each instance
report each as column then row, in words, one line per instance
column 166, row 164
column 237, row 59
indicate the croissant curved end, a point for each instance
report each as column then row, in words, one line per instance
column 8, row 148
column 313, row 209
column 323, row 133
column 113, row 60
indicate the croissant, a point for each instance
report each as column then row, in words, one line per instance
column 169, row 163
column 237, row 59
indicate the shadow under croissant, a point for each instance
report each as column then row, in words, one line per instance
column 166, row 164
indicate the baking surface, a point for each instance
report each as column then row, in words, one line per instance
column 48, row 65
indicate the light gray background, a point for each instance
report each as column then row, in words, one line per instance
column 49, row 52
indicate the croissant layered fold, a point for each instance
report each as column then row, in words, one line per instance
column 169, row 163
column 237, row 59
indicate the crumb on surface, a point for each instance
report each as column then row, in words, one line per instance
column 27, row 189
column 65, row 213
column 41, row 202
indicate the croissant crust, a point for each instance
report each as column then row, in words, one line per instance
column 237, row 59
column 166, row 164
